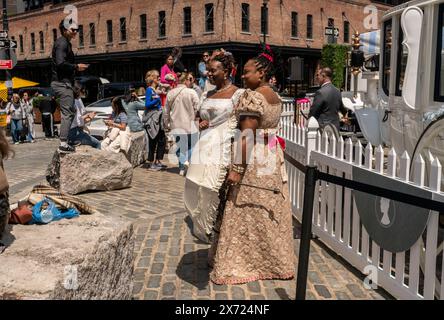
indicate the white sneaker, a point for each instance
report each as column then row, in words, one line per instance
column 182, row 173
column 186, row 164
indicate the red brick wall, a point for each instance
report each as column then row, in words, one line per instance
column 227, row 17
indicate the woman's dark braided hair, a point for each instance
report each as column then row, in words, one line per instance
column 265, row 62
column 225, row 58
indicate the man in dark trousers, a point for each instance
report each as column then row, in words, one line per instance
column 63, row 71
column 327, row 101
column 47, row 107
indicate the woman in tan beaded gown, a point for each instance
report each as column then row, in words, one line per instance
column 253, row 237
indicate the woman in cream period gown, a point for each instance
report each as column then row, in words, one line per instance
column 211, row 155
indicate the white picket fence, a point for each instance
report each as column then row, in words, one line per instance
column 415, row 274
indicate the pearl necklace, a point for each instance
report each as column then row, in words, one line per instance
column 224, row 88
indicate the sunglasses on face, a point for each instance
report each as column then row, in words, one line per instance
column 205, row 55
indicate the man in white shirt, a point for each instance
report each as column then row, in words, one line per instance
column 181, row 106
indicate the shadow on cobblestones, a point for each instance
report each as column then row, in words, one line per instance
column 193, row 268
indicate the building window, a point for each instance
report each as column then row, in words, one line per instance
column 143, row 30
column 331, row 24
column 387, row 54
column 54, row 35
column 245, row 17
column 21, row 43
column 42, row 41
column 92, row 34
column 294, row 24
column 309, row 26
column 123, row 29
column 162, row 24
column 346, row 32
column 187, row 20
column 32, row 42
column 264, row 20
column 109, row 31
column 81, row 38
column 209, row 17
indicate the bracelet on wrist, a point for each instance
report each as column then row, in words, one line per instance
column 238, row 169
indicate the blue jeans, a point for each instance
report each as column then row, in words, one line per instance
column 16, row 129
column 78, row 135
column 185, row 143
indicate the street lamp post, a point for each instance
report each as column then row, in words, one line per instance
column 265, row 6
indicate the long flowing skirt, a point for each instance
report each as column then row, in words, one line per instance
column 256, row 234
column 206, row 175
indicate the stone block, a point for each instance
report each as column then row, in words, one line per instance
column 89, row 257
column 89, row 169
column 138, row 151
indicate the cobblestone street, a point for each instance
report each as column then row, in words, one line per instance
column 170, row 263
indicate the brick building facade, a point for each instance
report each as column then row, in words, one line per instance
column 121, row 40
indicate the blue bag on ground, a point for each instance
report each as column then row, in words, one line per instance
column 46, row 211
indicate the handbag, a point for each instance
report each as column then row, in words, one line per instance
column 25, row 128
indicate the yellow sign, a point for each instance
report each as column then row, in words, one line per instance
column 3, row 117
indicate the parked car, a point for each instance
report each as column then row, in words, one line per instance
column 103, row 110
column 91, row 86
